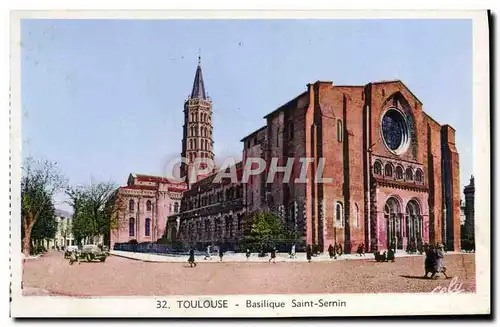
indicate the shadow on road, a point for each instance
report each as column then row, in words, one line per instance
column 413, row 277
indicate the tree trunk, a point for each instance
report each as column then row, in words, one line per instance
column 28, row 227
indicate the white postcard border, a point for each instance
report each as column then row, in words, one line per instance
column 357, row 304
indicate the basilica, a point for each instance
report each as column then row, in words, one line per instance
column 393, row 175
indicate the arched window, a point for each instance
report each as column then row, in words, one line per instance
column 290, row 130
column 419, row 176
column 409, row 174
column 388, row 170
column 340, row 131
column 399, row 172
column 206, row 144
column 148, row 206
column 355, row 219
column 339, row 214
column 131, row 227
column 131, row 205
column 176, row 207
column 147, row 227
column 377, row 168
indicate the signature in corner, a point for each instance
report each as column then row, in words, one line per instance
column 453, row 288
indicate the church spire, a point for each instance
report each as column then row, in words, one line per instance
column 198, row 85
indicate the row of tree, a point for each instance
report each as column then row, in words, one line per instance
column 93, row 205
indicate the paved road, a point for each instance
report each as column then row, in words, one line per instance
column 120, row 276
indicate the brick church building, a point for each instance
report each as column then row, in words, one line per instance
column 394, row 172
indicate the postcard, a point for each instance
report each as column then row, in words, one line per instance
column 250, row 163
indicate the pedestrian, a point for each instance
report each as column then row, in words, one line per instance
column 191, row 258
column 390, row 255
column 273, row 255
column 248, row 254
column 207, row 254
column 72, row 257
column 439, row 262
column 292, row 252
column 339, row 249
column 221, row 253
column 331, row 252
column 430, row 258
column 309, row 253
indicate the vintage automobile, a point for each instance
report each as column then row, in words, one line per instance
column 69, row 249
column 92, row 252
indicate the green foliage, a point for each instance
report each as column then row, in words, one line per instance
column 267, row 231
column 40, row 181
column 94, row 209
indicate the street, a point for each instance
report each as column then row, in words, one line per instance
column 52, row 274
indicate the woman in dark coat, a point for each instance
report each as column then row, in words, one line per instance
column 430, row 259
column 309, row 253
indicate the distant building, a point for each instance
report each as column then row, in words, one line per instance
column 469, row 232
column 143, row 207
column 64, row 236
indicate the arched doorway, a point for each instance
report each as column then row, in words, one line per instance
column 393, row 217
column 414, row 223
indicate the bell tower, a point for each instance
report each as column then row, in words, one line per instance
column 197, row 141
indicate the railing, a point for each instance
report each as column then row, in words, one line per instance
column 163, row 249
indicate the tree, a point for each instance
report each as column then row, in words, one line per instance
column 94, row 209
column 267, row 230
column 40, row 181
column 46, row 225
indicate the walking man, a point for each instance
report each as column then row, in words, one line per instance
column 191, row 258
column 221, row 253
column 309, row 253
column 292, row 252
column 248, row 254
column 207, row 254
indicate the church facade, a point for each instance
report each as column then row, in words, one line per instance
column 394, row 170
column 391, row 173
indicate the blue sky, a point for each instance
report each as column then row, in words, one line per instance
column 105, row 98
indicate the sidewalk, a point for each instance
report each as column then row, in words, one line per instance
column 240, row 257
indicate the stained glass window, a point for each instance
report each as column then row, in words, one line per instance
column 393, row 129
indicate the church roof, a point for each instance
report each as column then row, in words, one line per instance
column 198, row 85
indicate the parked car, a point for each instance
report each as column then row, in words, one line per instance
column 69, row 249
column 92, row 252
